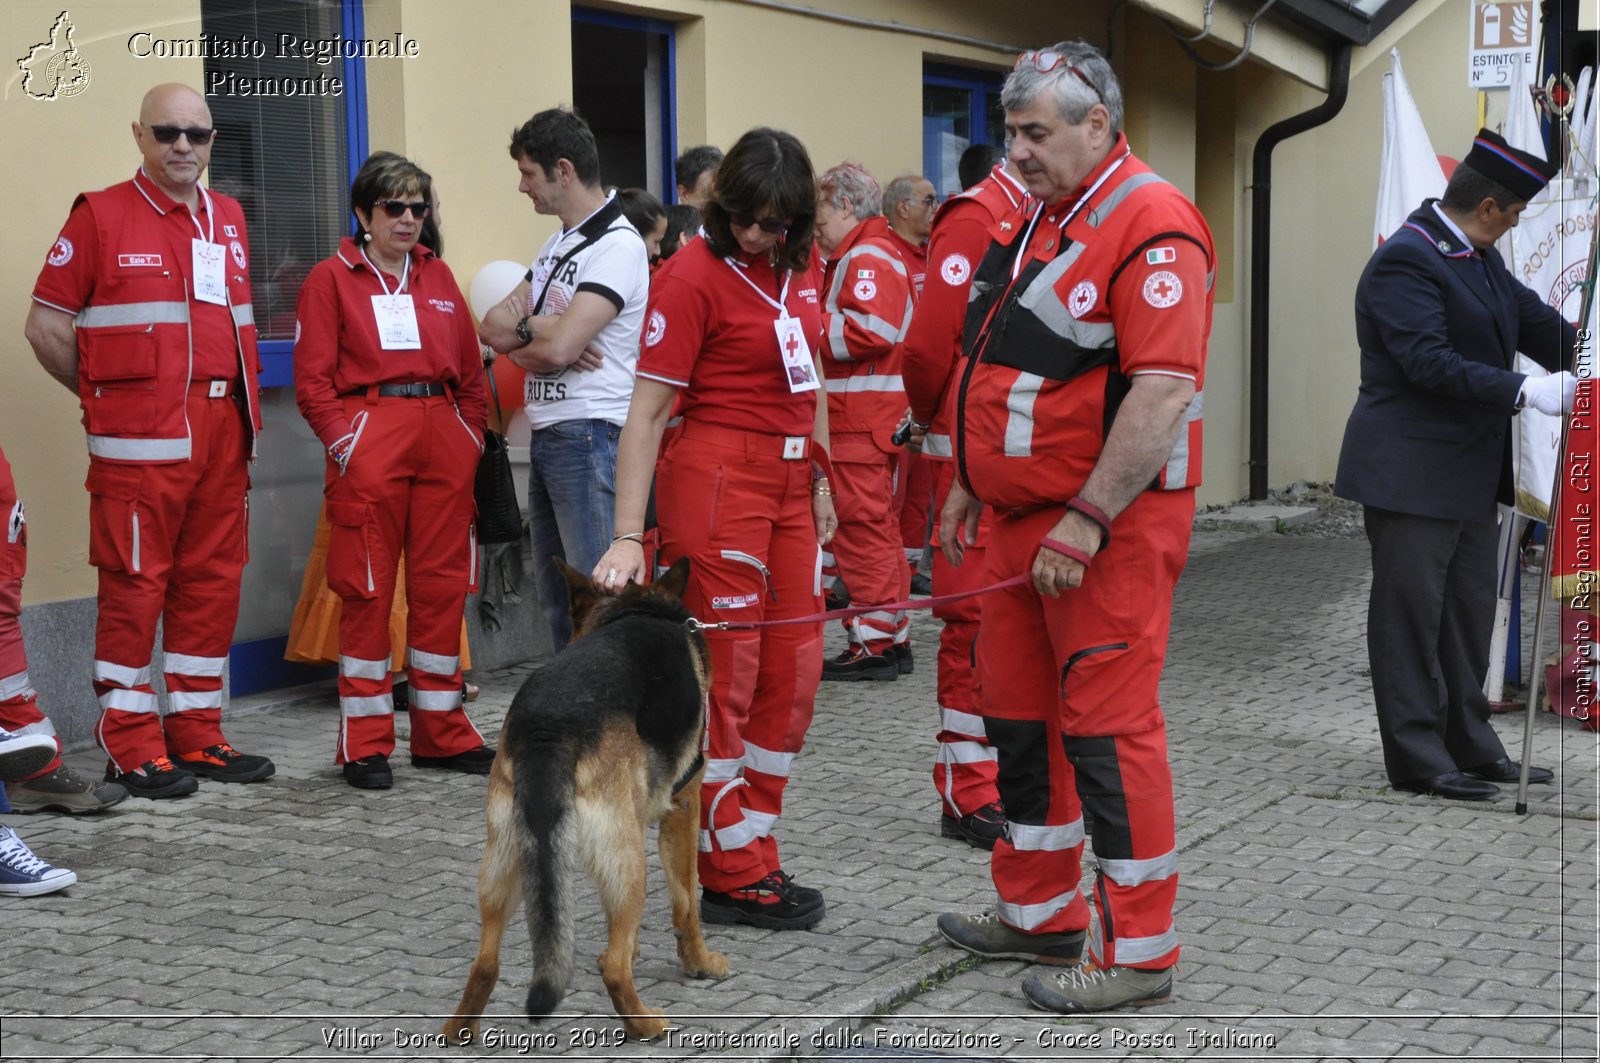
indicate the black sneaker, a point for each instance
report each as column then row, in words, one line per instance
column 903, row 659
column 856, row 664
column 225, row 764
column 155, row 779
column 980, row 829
column 471, row 762
column 801, row 894
column 771, row 904
column 921, row 585
column 369, row 773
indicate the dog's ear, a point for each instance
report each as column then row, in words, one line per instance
column 675, row 581
column 581, row 595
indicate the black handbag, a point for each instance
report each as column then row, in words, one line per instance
column 495, row 491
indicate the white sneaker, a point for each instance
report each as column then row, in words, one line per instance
column 24, row 755
column 24, row 875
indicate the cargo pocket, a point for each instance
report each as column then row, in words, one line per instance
column 350, row 549
column 114, row 517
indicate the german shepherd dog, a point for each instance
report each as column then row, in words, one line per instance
column 600, row 742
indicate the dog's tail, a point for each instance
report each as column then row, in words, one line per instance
column 546, row 795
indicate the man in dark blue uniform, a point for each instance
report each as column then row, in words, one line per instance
column 1427, row 452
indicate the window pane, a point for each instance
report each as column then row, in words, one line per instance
column 946, row 132
column 281, row 156
column 996, row 116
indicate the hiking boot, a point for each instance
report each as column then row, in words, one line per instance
column 771, row 904
column 1088, row 988
column 802, row 894
column 903, row 661
column 24, row 875
column 225, row 764
column 22, row 755
column 987, row 936
column 470, row 761
column 921, row 585
column 979, row 829
column 155, row 778
column 369, row 773
column 63, row 790
column 856, row 663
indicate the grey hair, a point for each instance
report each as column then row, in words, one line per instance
column 850, row 180
column 1072, row 97
column 897, row 192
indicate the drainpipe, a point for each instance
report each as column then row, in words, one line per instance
column 1261, row 248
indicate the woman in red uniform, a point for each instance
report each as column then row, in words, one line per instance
column 389, row 375
column 730, row 336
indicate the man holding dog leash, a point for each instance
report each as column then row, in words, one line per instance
column 1078, row 421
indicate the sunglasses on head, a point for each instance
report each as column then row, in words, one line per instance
column 169, row 134
column 770, row 226
column 396, row 208
column 1046, row 61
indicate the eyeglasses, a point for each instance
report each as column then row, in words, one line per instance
column 926, row 201
column 770, row 226
column 169, row 134
column 396, row 208
column 1046, row 61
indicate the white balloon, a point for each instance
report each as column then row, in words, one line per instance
column 493, row 283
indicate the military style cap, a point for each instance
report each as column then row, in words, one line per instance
column 1520, row 173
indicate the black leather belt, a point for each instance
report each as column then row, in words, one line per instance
column 420, row 390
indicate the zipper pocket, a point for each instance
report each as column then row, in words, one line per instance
column 1080, row 655
column 135, row 510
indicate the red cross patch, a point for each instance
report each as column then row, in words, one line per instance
column 1163, row 289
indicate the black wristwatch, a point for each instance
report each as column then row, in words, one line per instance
column 524, row 333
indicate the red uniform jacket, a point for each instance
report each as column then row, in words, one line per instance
column 864, row 317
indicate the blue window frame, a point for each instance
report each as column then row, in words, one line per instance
column 633, row 110
column 960, row 107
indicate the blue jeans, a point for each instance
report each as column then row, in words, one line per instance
column 572, row 495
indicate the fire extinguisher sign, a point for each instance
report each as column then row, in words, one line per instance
column 1500, row 32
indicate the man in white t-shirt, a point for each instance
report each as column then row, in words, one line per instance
column 573, row 323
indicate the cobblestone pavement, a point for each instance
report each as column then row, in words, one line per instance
column 1322, row 915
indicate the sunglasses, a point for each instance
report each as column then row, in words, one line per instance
column 771, row 226
column 396, row 208
column 169, row 134
column 1046, row 61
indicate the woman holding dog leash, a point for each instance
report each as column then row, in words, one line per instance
column 730, row 338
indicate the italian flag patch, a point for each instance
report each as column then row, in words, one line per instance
column 1160, row 256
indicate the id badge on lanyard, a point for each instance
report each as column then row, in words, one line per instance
column 397, row 322
column 210, row 272
column 798, row 368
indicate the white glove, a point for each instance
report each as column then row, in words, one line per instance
column 1551, row 394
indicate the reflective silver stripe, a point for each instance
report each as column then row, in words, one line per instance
column 16, row 686
column 836, row 344
column 722, row 770
column 362, row 667
column 937, row 445
column 437, row 663
column 377, row 705
column 1030, row 916
column 868, row 251
column 117, row 314
column 1019, row 421
column 867, row 382
column 1143, row 950
column 965, row 753
column 761, row 822
column 185, row 664
column 128, row 700
column 1137, row 872
column 244, row 314
column 1045, row 303
column 121, row 674
column 879, row 327
column 1057, row 838
column 767, row 761
column 118, row 449
column 1177, row 466
column 707, row 839
column 435, row 700
column 1101, row 211
column 189, row 700
column 737, row 836
column 962, row 723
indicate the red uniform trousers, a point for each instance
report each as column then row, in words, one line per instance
column 729, row 501
column 913, row 499
column 964, row 772
column 19, row 705
column 866, row 551
column 170, row 543
column 1070, row 687
column 407, row 486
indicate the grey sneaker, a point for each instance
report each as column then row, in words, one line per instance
column 63, row 790
column 22, row 755
column 1088, row 988
column 986, row 935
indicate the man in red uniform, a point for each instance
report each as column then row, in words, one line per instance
column 866, row 307
column 1078, row 422
column 908, row 204
column 964, row 771
column 143, row 311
